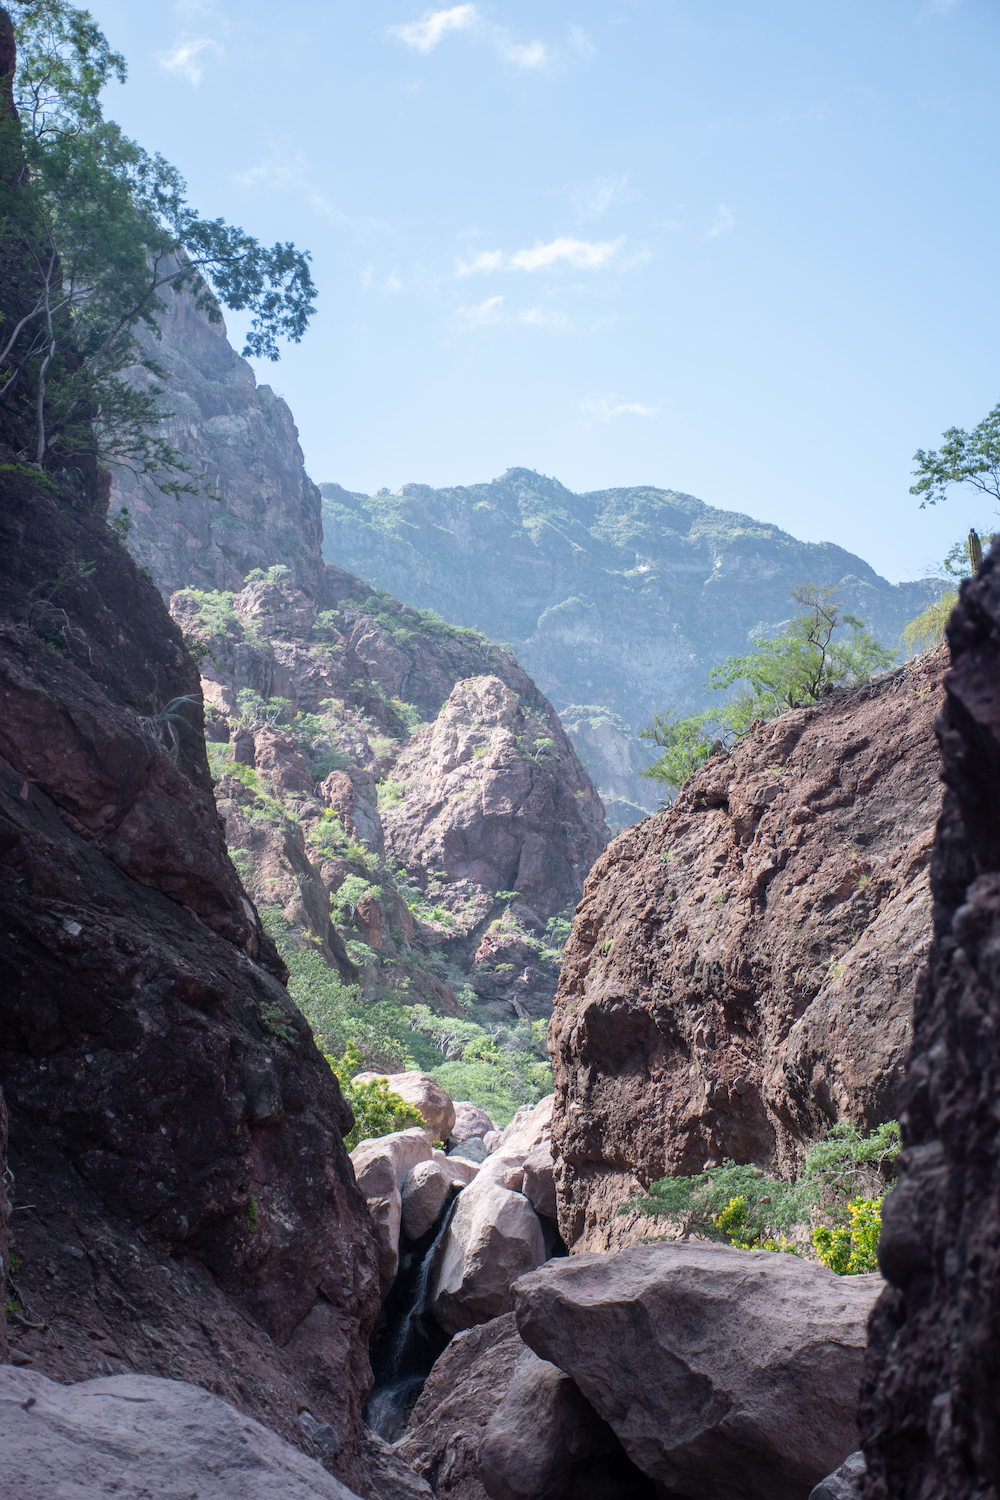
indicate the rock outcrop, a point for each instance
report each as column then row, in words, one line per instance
column 172, row 1124
column 930, row 1421
column 255, row 506
column 740, row 972
column 620, row 601
column 462, row 1393
column 135, row 1436
column 546, row 1442
column 723, row 1372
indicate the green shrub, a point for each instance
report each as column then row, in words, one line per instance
column 377, row 1110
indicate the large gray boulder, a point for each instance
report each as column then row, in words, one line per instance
column 426, row 1188
column 494, row 1236
column 726, row 1374
column 135, row 1436
column 380, row 1167
column 546, row 1442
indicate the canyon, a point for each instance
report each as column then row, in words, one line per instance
column 254, row 808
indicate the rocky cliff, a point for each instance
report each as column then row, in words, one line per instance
column 929, row 1412
column 254, row 505
column 741, row 969
column 619, row 601
column 183, row 1203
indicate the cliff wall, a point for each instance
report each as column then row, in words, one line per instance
column 183, row 1203
column 929, row 1414
column 741, row 968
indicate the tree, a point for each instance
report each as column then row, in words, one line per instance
column 103, row 228
column 965, row 458
column 963, row 561
column 824, row 648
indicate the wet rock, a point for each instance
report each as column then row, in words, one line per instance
column 425, row 1190
column 929, row 1415
column 546, row 1442
column 722, row 1372
column 470, row 1122
column 740, row 972
column 493, row 1237
column 425, row 1095
column 462, row 1392
column 380, row 1167
column 136, row 1435
column 391, row 1477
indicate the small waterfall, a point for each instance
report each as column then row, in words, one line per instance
column 403, row 1352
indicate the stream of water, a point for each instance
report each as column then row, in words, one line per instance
column 403, row 1351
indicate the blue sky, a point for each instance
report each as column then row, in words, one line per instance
column 747, row 251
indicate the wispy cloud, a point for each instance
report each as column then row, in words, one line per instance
column 280, row 172
column 723, row 223
column 480, row 316
column 184, row 58
column 606, row 407
column 546, row 317
column 391, row 283
column 581, row 43
column 424, row 35
column 582, row 255
column 596, row 197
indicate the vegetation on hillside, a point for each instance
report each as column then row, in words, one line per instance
column 832, row 1210
column 824, row 648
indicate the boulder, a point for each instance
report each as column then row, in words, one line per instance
column 380, row 1166
column 424, row 1094
column 426, row 1188
column 470, row 1121
column 546, row 1442
column 846, row 1483
column 473, row 1149
column 494, row 1236
column 530, row 1127
column 724, row 1372
column 462, row 1393
column 459, row 1168
column 491, row 1140
column 539, row 1181
column 137, row 1435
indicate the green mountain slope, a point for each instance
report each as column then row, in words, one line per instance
column 616, row 600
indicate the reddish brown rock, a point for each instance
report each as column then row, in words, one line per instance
column 740, row 970
column 930, row 1421
column 172, row 1123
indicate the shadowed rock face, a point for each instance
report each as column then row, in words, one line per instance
column 930, row 1412
column 172, row 1124
column 740, row 971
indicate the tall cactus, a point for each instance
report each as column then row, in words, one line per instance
column 975, row 550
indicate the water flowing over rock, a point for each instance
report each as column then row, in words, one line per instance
column 426, row 1189
column 930, row 1421
column 135, row 1436
column 725, row 1374
column 740, row 972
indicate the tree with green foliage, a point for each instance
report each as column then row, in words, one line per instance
column 963, row 561
column 744, row 1207
column 377, row 1109
column 92, row 230
column 971, row 458
column 823, row 648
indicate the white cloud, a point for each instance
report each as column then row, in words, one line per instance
column 606, row 407
column 583, row 255
column 580, row 42
column 484, row 313
column 423, row 36
column 596, row 197
column 280, row 173
column 184, row 58
column 723, row 223
column 391, row 283
column 546, row 317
